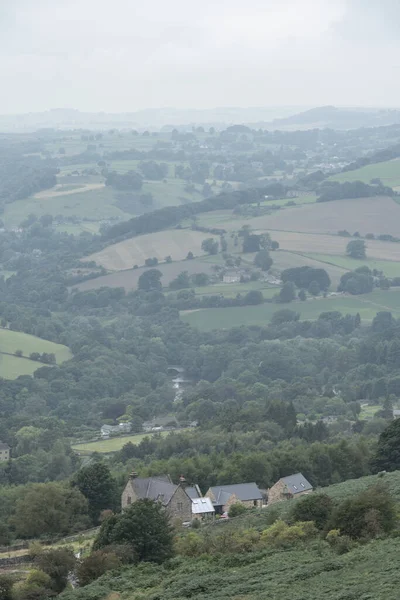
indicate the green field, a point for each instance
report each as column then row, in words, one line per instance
column 230, row 290
column 389, row 268
column 12, row 367
column 92, row 204
column 388, row 172
column 10, row 341
column 367, row 305
column 113, row 444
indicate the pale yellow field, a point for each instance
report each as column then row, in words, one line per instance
column 333, row 244
column 379, row 215
column 175, row 243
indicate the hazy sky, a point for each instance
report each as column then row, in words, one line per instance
column 124, row 55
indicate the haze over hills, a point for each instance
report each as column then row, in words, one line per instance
column 285, row 117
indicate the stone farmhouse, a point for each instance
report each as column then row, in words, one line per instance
column 174, row 498
column 292, row 486
column 223, row 496
column 4, row 452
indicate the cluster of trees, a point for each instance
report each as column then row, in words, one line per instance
column 131, row 181
column 332, row 190
column 306, row 278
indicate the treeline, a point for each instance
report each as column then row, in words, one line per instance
column 332, row 190
column 171, row 215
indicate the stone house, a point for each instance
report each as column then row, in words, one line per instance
column 223, row 496
column 173, row 498
column 292, row 486
column 4, row 452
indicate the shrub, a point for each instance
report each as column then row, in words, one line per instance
column 6, row 584
column 366, row 515
column 95, row 565
column 236, row 510
column 282, row 534
column 340, row 543
column 315, row 507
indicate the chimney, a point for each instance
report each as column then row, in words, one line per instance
column 182, row 481
column 133, row 475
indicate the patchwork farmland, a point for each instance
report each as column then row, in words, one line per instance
column 378, row 215
column 175, row 243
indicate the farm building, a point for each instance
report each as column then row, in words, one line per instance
column 224, row 496
column 4, row 452
column 231, row 277
column 107, row 430
column 202, row 508
column 289, row 487
column 173, row 497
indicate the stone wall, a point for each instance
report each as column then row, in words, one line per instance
column 127, row 494
column 180, row 506
column 276, row 493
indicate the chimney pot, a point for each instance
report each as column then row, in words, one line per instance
column 133, row 475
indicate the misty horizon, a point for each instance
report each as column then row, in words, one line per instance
column 253, row 54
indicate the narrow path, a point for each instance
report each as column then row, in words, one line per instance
column 54, row 193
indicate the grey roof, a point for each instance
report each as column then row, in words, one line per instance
column 155, row 488
column 193, row 492
column 243, row 491
column 202, row 506
column 4, row 446
column 297, row 483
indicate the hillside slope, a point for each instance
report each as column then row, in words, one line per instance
column 309, row 571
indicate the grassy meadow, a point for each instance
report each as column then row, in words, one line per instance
column 12, row 367
column 114, row 444
column 388, row 172
column 367, row 305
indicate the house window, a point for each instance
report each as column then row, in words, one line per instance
column 254, row 502
column 129, row 500
column 180, row 505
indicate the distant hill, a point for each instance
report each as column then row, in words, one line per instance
column 339, row 118
column 270, row 117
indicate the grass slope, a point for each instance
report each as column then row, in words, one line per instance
column 309, row 571
column 378, row 215
column 175, row 243
column 366, row 305
column 10, row 341
column 389, row 268
column 113, row 444
column 388, row 172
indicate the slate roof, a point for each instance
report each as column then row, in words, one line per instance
column 297, row 483
column 158, row 488
column 4, row 446
column 193, row 492
column 243, row 492
column 202, row 506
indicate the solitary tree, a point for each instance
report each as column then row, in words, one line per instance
column 144, row 526
column 210, row 246
column 150, row 280
column 288, row 292
column 263, row 260
column 356, row 249
column 387, row 456
column 98, row 486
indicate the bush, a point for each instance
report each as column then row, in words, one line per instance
column 282, row 534
column 340, row 543
column 366, row 515
column 95, row 565
column 236, row 510
column 6, row 584
column 315, row 507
